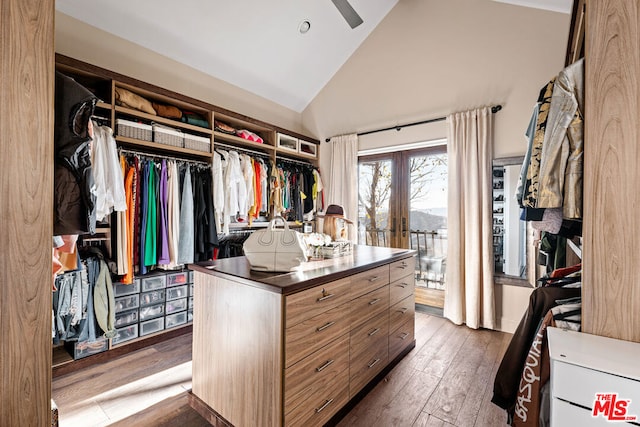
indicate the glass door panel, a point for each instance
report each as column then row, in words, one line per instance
column 375, row 219
column 428, row 218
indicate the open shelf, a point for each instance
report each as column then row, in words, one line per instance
column 226, row 138
column 162, row 120
column 132, row 142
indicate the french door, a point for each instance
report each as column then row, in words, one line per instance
column 402, row 203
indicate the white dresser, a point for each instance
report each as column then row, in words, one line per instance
column 584, row 365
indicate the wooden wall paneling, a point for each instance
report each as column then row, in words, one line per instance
column 242, row 326
column 26, row 223
column 611, row 271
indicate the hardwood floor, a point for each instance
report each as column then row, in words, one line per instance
column 446, row 381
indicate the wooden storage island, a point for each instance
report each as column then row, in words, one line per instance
column 272, row 349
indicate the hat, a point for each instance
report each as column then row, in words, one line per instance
column 335, row 210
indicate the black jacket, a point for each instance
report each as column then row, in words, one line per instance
column 74, row 197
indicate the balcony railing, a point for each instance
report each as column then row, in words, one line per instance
column 431, row 247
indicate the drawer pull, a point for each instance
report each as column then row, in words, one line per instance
column 403, row 310
column 327, row 403
column 325, row 366
column 403, row 336
column 375, row 301
column 323, row 327
column 402, row 285
column 375, row 331
column 403, row 265
column 324, row 298
column 374, row 278
column 374, row 363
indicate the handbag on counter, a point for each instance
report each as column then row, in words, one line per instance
column 275, row 249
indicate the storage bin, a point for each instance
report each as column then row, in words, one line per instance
column 127, row 303
column 189, row 316
column 190, row 276
column 167, row 136
column 288, row 143
column 190, row 303
column 151, row 311
column 86, row 348
column 153, row 297
column 125, row 334
column 121, row 289
column 308, row 148
column 177, row 292
column 175, row 319
column 151, row 283
column 134, row 129
column 125, row 318
column 198, row 143
column 151, row 326
column 191, row 289
column 176, row 305
column 175, row 279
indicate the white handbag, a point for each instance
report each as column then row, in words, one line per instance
column 275, row 249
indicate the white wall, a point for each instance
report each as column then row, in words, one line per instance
column 429, row 58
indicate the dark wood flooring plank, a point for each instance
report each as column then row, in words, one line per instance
column 459, row 362
column 491, row 415
column 482, row 381
column 426, row 420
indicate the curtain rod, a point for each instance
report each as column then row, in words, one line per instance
column 494, row 110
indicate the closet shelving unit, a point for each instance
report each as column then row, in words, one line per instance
column 104, row 83
column 498, row 217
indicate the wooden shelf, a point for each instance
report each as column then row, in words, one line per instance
column 226, row 138
column 132, row 142
column 162, row 120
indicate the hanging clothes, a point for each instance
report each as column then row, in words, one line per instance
column 130, row 215
column 121, row 231
column 173, row 214
column 144, row 205
column 151, row 240
column 107, row 173
column 186, row 242
column 163, row 229
column 218, row 188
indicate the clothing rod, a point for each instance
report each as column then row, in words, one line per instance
column 162, row 156
column 494, row 110
column 288, row 160
column 245, row 150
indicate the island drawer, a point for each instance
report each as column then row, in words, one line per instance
column 311, row 302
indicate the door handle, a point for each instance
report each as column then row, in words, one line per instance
column 393, row 225
column 404, row 227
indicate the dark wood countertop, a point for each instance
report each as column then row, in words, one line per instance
column 309, row 274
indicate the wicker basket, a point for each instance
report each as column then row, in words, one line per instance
column 198, row 143
column 167, row 136
column 134, row 130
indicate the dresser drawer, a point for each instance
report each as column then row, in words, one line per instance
column 401, row 268
column 369, row 280
column 311, row 302
column 401, row 311
column 401, row 337
column 363, row 368
column 366, row 336
column 401, row 288
column 565, row 414
column 369, row 305
column 579, row 385
column 313, row 334
column 313, row 373
column 321, row 405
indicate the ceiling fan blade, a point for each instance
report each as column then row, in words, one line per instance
column 348, row 13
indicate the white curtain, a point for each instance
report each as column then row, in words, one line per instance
column 343, row 175
column 469, row 296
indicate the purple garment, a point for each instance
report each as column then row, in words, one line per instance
column 163, row 237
